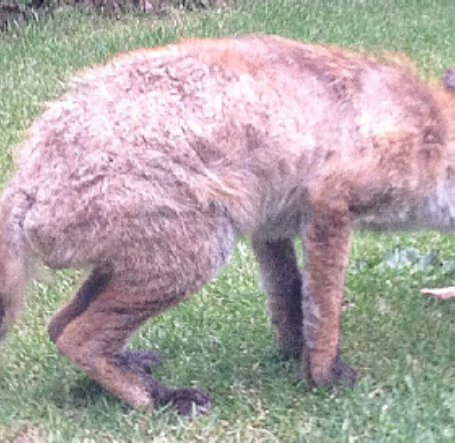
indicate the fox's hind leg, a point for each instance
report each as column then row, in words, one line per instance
column 95, row 341
column 151, row 274
column 92, row 287
column 281, row 279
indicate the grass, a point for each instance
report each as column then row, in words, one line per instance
column 221, row 340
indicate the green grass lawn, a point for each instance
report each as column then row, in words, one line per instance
column 220, row 340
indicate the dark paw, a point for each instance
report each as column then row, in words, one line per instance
column 285, row 353
column 343, row 375
column 187, row 402
column 290, row 344
column 141, row 361
column 340, row 375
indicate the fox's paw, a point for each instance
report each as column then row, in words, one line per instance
column 187, row 402
column 340, row 375
column 343, row 375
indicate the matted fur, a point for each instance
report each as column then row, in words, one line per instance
column 152, row 164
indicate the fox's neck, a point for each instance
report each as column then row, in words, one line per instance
column 435, row 210
column 438, row 209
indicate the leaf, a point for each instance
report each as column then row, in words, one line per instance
column 400, row 258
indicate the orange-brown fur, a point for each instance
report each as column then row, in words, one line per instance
column 151, row 165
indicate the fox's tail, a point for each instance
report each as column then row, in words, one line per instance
column 15, row 257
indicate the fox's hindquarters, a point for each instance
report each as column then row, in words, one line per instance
column 161, row 264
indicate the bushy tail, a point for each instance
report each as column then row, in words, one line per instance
column 14, row 258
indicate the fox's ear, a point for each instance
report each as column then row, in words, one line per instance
column 449, row 79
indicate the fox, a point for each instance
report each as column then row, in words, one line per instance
column 151, row 166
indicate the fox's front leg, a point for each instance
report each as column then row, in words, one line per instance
column 327, row 239
column 281, row 279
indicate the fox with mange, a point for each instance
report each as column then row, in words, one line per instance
column 152, row 165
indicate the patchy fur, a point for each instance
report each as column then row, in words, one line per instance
column 152, row 164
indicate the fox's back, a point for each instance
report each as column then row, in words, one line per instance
column 253, row 122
